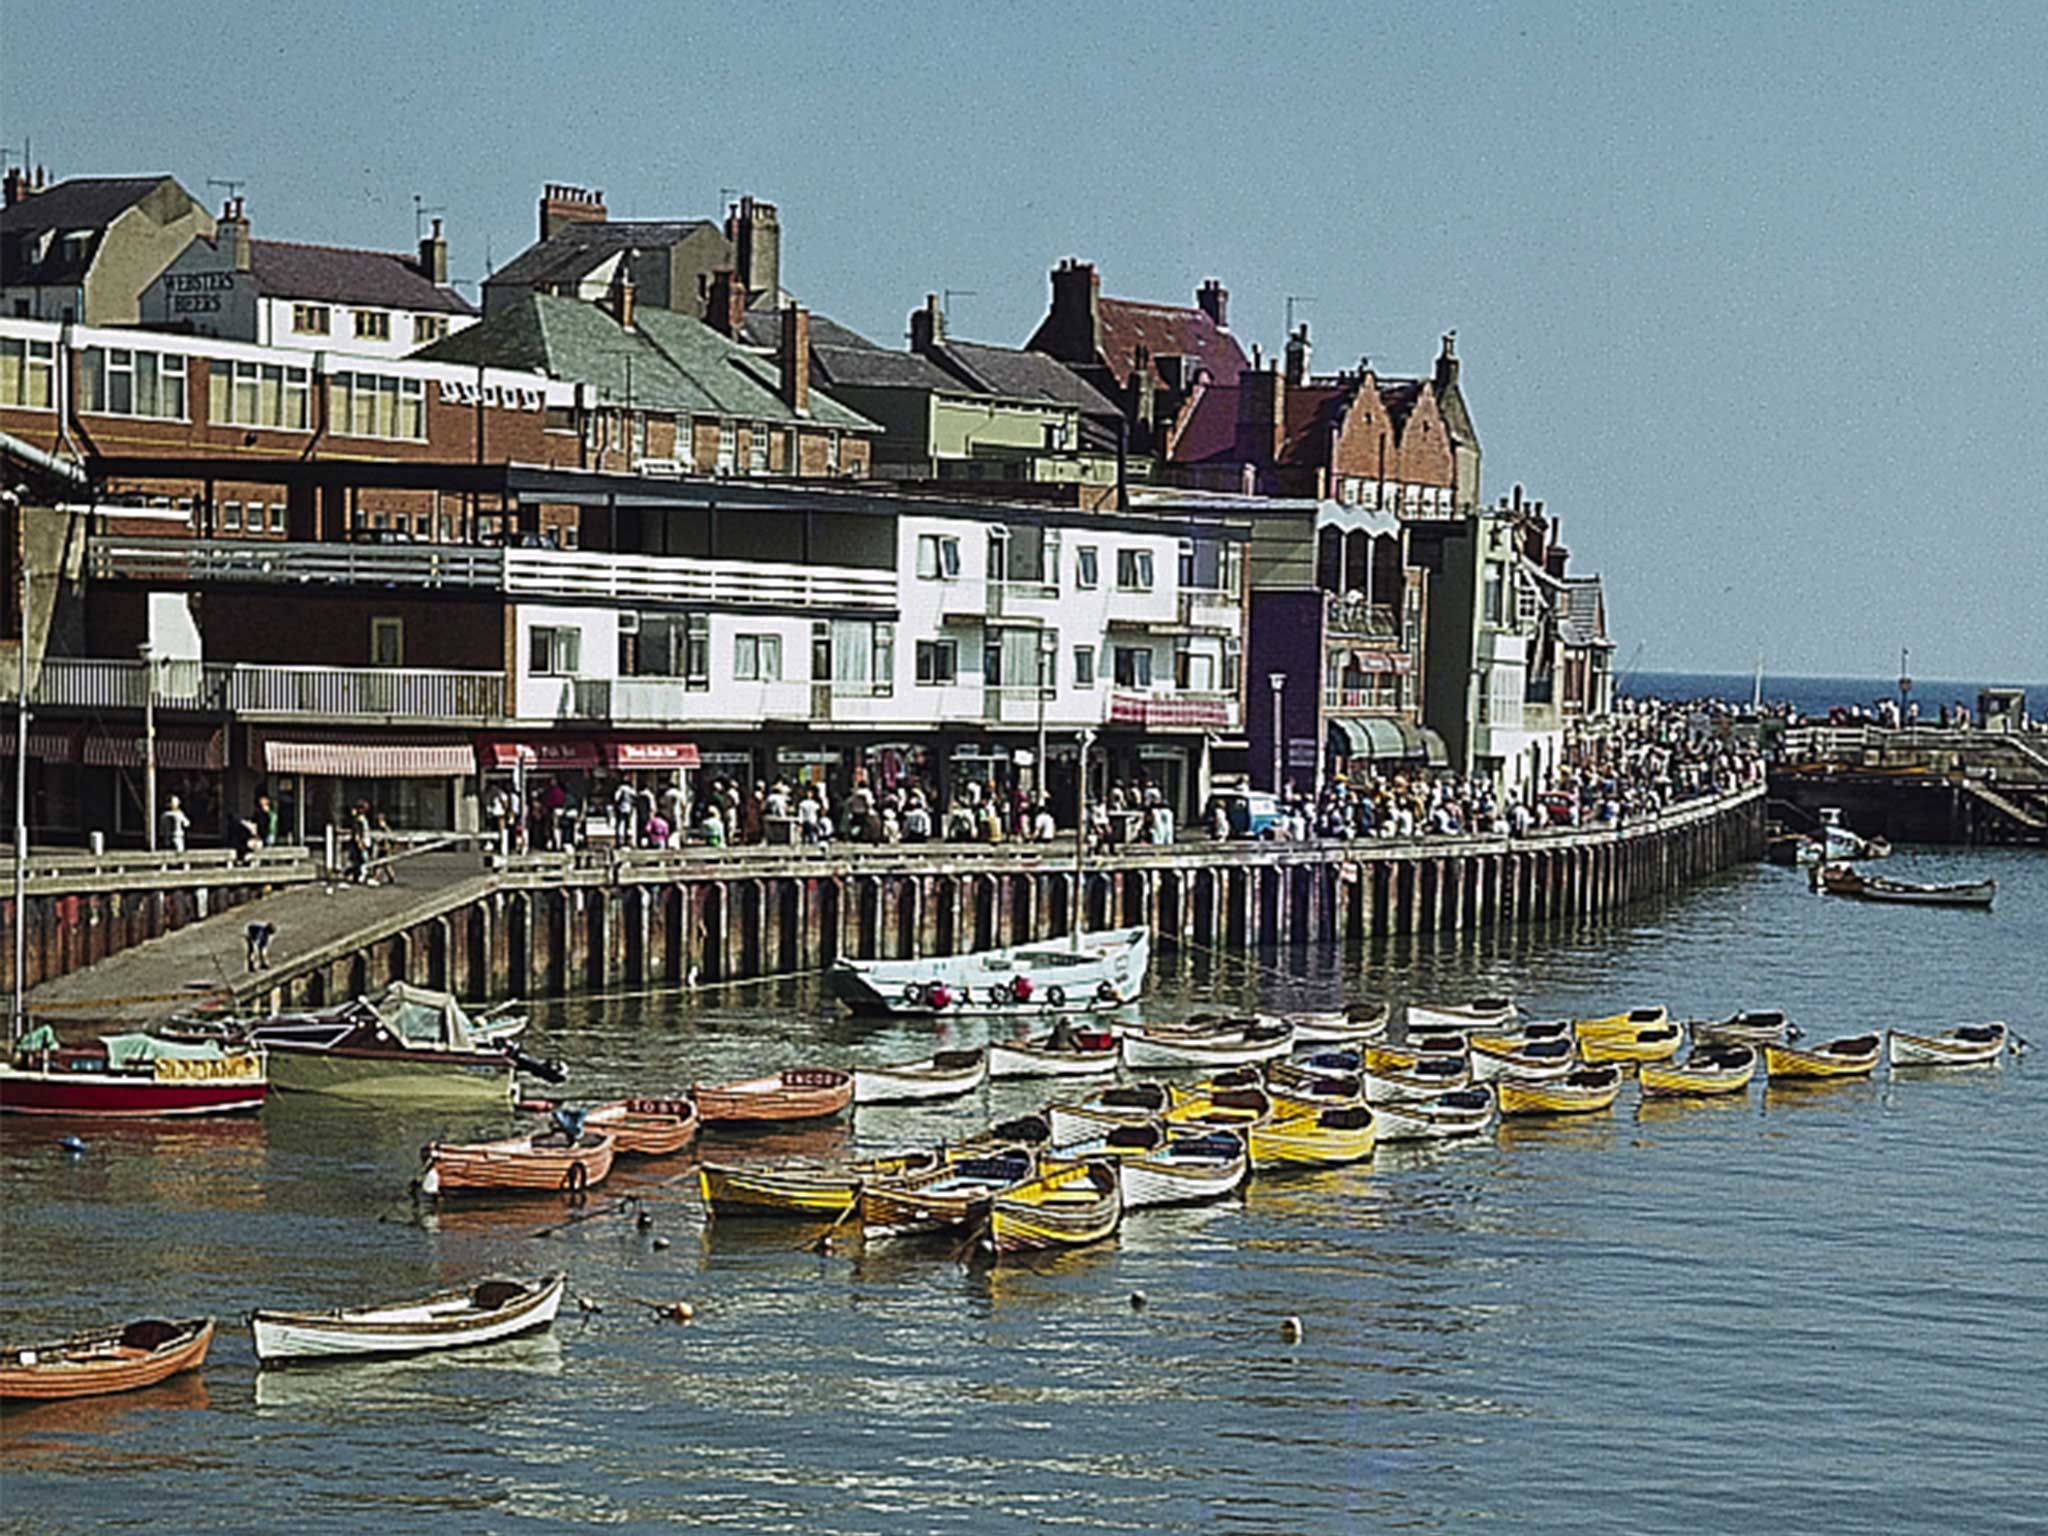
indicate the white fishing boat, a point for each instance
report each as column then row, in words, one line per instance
column 1467, row 1112
column 1359, row 1024
column 1967, row 1045
column 942, row 1075
column 1188, row 1170
column 1066, row 1052
column 494, row 1309
column 1494, row 1014
column 1104, row 969
column 1174, row 1050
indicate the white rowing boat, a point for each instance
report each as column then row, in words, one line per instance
column 494, row 1309
column 1967, row 1045
column 1488, row 1013
column 1467, row 1112
column 942, row 1075
column 1155, row 1050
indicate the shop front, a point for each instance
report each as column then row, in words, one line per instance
column 416, row 783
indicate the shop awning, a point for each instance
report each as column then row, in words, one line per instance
column 187, row 750
column 544, row 753
column 1369, row 737
column 49, row 746
column 652, row 754
column 370, row 759
column 1433, row 749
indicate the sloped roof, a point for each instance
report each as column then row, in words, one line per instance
column 571, row 252
column 1312, row 410
column 336, row 274
column 1015, row 373
column 1167, row 330
column 83, row 205
column 763, row 328
column 1582, row 612
column 878, row 368
column 667, row 362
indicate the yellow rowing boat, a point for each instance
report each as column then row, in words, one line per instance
column 1710, row 1070
column 1317, row 1138
column 1066, row 1206
column 799, row 1189
column 1621, row 1023
column 1585, row 1092
column 1851, row 1056
column 1629, row 1046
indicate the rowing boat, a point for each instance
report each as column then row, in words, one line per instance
column 1763, row 1027
column 540, row 1164
column 1155, row 1050
column 800, row 1093
column 140, row 1354
column 1968, row 1045
column 1584, row 1092
column 1710, row 1070
column 1355, row 1025
column 800, row 1189
column 1066, row 1206
column 1063, row 1053
column 953, row 1195
column 1489, row 1013
column 1464, row 1112
column 1320, row 1138
column 1623, row 1023
column 1296, row 1088
column 1399, row 1058
column 480, row 1314
column 1528, row 1061
column 1525, row 1034
column 1128, row 1105
column 1840, row 880
column 1851, row 1056
column 941, row 1075
column 1225, row 1109
column 1188, row 1170
column 646, row 1127
column 1631, row 1045
column 1429, row 1077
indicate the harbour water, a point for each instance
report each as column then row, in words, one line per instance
column 1822, row 1310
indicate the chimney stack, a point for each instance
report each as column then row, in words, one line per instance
column 927, row 325
column 725, row 311
column 1215, row 301
column 756, row 236
column 1261, row 415
column 622, row 301
column 17, row 185
column 1297, row 355
column 234, row 224
column 1447, row 365
column 434, row 257
column 1076, row 319
column 562, row 205
column 795, row 358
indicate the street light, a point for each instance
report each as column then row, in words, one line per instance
column 148, row 654
column 1278, row 682
column 1048, row 674
column 1086, row 737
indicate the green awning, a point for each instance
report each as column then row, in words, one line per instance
column 1370, row 737
column 1433, row 750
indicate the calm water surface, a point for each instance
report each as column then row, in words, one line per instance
column 1825, row 1310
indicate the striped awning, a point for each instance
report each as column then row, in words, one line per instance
column 174, row 749
column 49, row 746
column 1369, row 737
column 370, row 759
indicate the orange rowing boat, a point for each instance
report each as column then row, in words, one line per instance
column 646, row 1127
column 542, row 1164
column 801, row 1093
column 112, row 1360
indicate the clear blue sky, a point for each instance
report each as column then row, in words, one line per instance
column 1752, row 295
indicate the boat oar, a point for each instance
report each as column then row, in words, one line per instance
column 822, row 1243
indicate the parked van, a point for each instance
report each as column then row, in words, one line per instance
column 1250, row 812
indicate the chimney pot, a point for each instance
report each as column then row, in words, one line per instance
column 1214, row 299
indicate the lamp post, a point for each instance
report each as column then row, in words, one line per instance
column 1086, row 738
column 148, row 655
column 1048, row 674
column 17, row 1017
column 1277, row 681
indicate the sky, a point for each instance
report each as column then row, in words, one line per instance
column 1751, row 296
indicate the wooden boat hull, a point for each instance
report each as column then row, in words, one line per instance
column 1348, row 1027
column 951, row 1198
column 1910, row 1050
column 94, row 1365
column 516, row 1166
column 445, row 1320
column 799, row 1191
column 123, row 1095
column 1168, row 1053
column 1014, row 1059
column 1065, row 1207
column 1788, row 1063
column 1432, row 1120
column 1076, row 1123
column 395, row 1075
column 1318, row 1139
column 1411, row 1087
column 1690, row 1080
column 1630, row 1046
column 802, row 1093
column 646, row 1127
column 1764, row 1028
column 1166, row 1177
column 1402, row 1057
column 1493, row 1014
column 1862, row 887
column 1490, row 1065
column 1564, row 1097
column 1625, row 1022
column 921, row 1082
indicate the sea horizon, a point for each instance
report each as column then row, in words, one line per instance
column 1816, row 694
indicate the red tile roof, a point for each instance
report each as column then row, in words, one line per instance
column 1167, row 330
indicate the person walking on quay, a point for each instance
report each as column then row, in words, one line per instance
column 259, row 934
column 265, row 817
column 173, row 824
column 624, row 802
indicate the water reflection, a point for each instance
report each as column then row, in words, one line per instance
column 344, row 1387
column 96, row 1427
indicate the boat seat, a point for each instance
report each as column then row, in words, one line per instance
column 151, row 1333
column 1979, row 1034
column 495, row 1294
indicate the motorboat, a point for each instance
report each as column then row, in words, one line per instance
column 1841, row 880
column 403, row 1045
column 131, row 1076
column 1102, row 969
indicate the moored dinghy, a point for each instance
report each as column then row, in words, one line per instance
column 124, row 1359
column 1066, row 1052
column 1358, row 1024
column 1715, row 1068
column 479, row 1314
column 1851, row 1056
column 1429, row 1077
column 951, row 1196
column 1132, row 1104
column 1253, row 1041
column 566, row 1160
column 941, row 1075
column 1188, row 1170
column 1583, row 1092
column 800, row 1093
column 1465, row 1112
column 1487, row 1013
column 1967, row 1045
column 1767, row 1026
column 646, row 1127
column 1528, row 1061
column 1314, row 1138
column 1629, row 1045
column 803, row 1190
column 1066, row 1206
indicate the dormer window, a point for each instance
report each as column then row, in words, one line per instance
column 373, row 325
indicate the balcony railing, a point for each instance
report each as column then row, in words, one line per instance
column 1204, row 609
column 1347, row 616
column 1362, row 700
column 1184, row 709
column 535, row 572
column 343, row 693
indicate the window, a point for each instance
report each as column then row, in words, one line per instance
column 757, row 658
column 831, row 453
column 558, row 418
column 1133, row 666
column 311, row 319
column 555, row 651
column 1195, row 671
column 697, row 651
column 857, row 656
column 1084, row 666
column 728, row 447
column 1134, row 570
column 938, row 556
column 1087, row 572
column 258, row 395
column 426, row 328
column 28, row 372
column 757, row 448
column 387, row 642
column 122, row 382
column 231, row 516
column 1496, row 592
column 373, row 325
column 277, row 517
column 938, row 661
column 377, row 405
column 1233, row 664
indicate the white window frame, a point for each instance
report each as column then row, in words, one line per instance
column 757, row 658
column 757, row 448
column 1140, row 661
column 1134, row 570
column 372, row 324
column 29, row 359
column 728, row 446
column 934, row 651
column 1084, row 666
column 563, row 647
column 938, row 557
column 1088, row 566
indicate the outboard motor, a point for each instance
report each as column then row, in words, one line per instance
column 551, row 1071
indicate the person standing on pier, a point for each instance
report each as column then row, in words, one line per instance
column 173, row 825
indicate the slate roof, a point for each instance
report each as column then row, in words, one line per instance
column 878, row 368
column 677, row 363
column 763, row 328
column 337, row 275
column 571, row 252
column 1167, row 330
column 1582, row 612
column 79, row 205
column 1015, row 373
